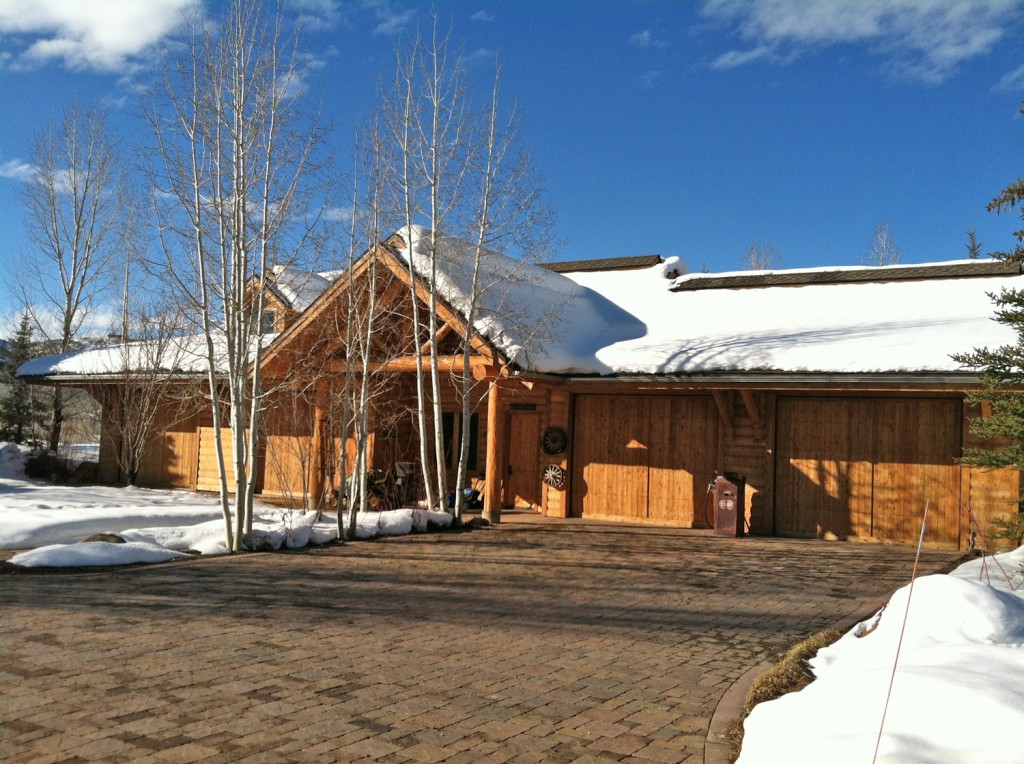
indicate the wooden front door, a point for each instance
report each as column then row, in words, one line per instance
column 522, row 470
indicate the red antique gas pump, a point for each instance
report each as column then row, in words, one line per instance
column 730, row 504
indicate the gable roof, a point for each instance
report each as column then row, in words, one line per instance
column 298, row 288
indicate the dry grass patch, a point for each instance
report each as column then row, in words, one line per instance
column 789, row 674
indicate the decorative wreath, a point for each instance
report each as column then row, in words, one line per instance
column 554, row 440
column 554, row 476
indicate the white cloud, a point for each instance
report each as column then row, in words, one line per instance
column 1011, row 81
column 645, row 39
column 17, row 170
column 478, row 56
column 101, row 35
column 482, row 16
column 733, row 58
column 925, row 40
column 650, row 79
column 392, row 22
column 318, row 15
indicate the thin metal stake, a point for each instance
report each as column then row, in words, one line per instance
column 899, row 645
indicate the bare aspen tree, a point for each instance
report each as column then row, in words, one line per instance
column 761, row 257
column 462, row 174
column 80, row 214
column 148, row 397
column 508, row 214
column 882, row 250
column 233, row 181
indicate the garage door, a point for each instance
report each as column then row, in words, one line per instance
column 643, row 458
column 866, row 467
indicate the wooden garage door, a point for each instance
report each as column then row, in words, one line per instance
column 643, row 458
column 865, row 467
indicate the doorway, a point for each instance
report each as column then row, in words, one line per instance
column 522, row 462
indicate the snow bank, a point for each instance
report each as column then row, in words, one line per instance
column 12, row 460
column 957, row 694
column 37, row 514
column 93, row 553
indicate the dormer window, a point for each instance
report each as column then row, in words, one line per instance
column 267, row 320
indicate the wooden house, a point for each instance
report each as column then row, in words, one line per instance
column 618, row 390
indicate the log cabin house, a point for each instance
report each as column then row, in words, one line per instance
column 618, row 389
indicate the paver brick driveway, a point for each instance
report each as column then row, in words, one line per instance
column 523, row 643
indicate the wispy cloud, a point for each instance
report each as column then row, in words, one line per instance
column 1011, row 82
column 923, row 40
column 646, row 39
column 103, row 35
column 649, row 79
column 482, row 16
column 16, row 169
column 391, row 22
column 478, row 56
column 319, row 15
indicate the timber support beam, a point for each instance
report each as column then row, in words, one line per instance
column 495, row 437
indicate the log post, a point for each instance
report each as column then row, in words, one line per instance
column 495, row 436
column 316, row 456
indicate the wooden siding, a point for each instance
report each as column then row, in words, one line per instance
column 208, row 476
column 987, row 494
column 746, row 448
column 864, row 468
column 643, row 457
column 288, row 444
column 170, row 459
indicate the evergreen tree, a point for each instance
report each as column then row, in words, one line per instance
column 973, row 245
column 18, row 404
column 1002, row 371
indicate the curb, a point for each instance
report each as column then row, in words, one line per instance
column 718, row 743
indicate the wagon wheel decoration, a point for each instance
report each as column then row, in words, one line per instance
column 554, row 476
column 554, row 440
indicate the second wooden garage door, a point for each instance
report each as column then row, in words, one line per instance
column 643, row 458
column 866, row 467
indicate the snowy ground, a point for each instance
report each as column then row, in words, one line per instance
column 958, row 689
column 48, row 520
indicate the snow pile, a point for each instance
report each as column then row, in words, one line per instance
column 157, row 525
column 12, row 460
column 34, row 514
column 93, row 553
column 957, row 695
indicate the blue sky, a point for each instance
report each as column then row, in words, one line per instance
column 689, row 129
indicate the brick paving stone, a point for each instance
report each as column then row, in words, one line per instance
column 530, row 641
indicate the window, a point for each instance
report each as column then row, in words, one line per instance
column 452, row 439
column 267, row 320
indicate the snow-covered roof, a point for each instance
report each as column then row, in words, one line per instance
column 541, row 320
column 178, row 355
column 299, row 288
column 899, row 326
column 652, row 321
column 632, row 322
